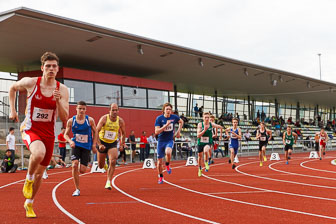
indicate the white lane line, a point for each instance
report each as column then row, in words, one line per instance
column 327, row 171
column 298, row 174
column 153, row 205
column 268, row 190
column 24, row 179
column 240, row 192
column 59, row 206
column 253, row 204
column 278, row 180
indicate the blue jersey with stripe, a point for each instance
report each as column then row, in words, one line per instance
column 82, row 134
column 234, row 141
column 168, row 133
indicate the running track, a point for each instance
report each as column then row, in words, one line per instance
column 302, row 192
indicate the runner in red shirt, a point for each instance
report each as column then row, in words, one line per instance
column 323, row 142
column 46, row 100
column 62, row 144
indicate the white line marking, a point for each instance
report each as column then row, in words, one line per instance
column 60, row 206
column 278, row 180
column 297, row 174
column 240, row 192
column 153, row 205
column 253, row 204
column 327, row 171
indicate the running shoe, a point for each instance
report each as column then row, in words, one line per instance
column 229, row 160
column 106, row 167
column 289, row 157
column 287, row 162
column 206, row 166
column 320, row 158
column 29, row 210
column 324, row 153
column 168, row 169
column 28, row 189
column 265, row 158
column 233, row 166
column 160, row 181
column 199, row 172
column 76, row 193
column 108, row 185
column 261, row 164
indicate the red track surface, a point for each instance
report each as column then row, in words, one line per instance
column 302, row 192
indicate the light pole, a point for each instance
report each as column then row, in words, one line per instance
column 319, row 54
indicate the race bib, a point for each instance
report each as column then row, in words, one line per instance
column 205, row 139
column 263, row 138
column 170, row 127
column 42, row 115
column 82, row 138
column 110, row 135
column 288, row 142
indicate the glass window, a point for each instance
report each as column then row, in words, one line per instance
column 107, row 94
column 156, row 98
column 79, row 91
column 134, row 97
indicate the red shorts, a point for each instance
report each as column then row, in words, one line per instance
column 323, row 144
column 30, row 136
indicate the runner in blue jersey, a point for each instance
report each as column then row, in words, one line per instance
column 164, row 127
column 84, row 139
column 235, row 134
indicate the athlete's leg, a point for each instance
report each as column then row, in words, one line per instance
column 113, row 155
column 168, row 154
column 160, row 166
column 199, row 159
column 232, row 155
column 38, row 152
column 38, row 179
column 75, row 173
column 260, row 155
column 101, row 159
column 207, row 153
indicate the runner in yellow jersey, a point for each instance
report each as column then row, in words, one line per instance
column 109, row 127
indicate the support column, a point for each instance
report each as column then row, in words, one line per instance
column 276, row 108
column 216, row 103
column 175, row 97
column 298, row 111
column 249, row 108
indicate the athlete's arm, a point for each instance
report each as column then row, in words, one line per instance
column 201, row 132
column 62, row 102
column 100, row 124
column 270, row 134
column 178, row 133
column 67, row 132
column 27, row 84
column 283, row 138
column 239, row 136
column 227, row 133
column 122, row 133
column 217, row 126
column 159, row 130
column 258, row 135
column 94, row 133
column 295, row 136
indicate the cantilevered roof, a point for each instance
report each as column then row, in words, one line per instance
column 25, row 34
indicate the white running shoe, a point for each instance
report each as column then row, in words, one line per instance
column 76, row 192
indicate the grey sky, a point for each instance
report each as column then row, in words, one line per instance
column 285, row 34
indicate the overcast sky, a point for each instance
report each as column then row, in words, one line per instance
column 285, row 34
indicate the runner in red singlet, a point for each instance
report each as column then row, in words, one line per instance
column 46, row 100
column 323, row 142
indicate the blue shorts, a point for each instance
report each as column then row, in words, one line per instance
column 161, row 147
column 235, row 148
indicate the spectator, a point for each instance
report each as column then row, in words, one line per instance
column 245, row 117
column 297, row 124
column 59, row 163
column 185, row 147
column 185, row 121
column 258, row 114
column 131, row 140
column 8, row 165
column 217, row 150
column 10, row 141
column 200, row 111
column 62, row 143
column 226, row 144
column 196, row 110
column 144, row 147
column 247, row 135
column 263, row 115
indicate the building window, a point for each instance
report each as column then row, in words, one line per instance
column 107, row 94
column 79, row 91
column 157, row 98
column 134, row 97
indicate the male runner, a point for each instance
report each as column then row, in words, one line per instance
column 46, row 100
column 264, row 135
column 164, row 127
column 109, row 127
column 289, row 139
column 84, row 139
column 214, row 137
column 234, row 133
column 205, row 140
column 323, row 141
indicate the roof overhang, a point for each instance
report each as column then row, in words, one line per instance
column 25, row 34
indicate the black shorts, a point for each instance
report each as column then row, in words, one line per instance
column 108, row 146
column 288, row 147
column 79, row 153
column 201, row 147
column 261, row 144
column 133, row 147
column 317, row 146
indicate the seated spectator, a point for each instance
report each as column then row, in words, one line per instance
column 56, row 162
column 185, row 120
column 185, row 147
column 298, row 132
column 217, row 150
column 8, row 165
column 267, row 120
column 297, row 124
column 247, row 135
